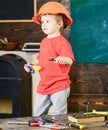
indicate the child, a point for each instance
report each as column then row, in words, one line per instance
column 55, row 58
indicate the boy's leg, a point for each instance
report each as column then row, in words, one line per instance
column 42, row 104
column 59, row 102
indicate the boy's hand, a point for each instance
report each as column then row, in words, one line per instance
column 31, row 68
column 63, row 60
column 27, row 69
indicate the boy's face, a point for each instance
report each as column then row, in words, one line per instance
column 50, row 26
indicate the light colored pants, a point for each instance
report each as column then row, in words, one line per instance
column 58, row 101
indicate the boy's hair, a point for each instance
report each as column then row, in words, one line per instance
column 60, row 17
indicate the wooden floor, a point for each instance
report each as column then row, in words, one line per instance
column 63, row 119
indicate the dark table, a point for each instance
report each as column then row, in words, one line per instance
column 61, row 118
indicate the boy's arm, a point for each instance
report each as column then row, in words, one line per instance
column 36, row 61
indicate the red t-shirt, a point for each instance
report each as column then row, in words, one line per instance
column 54, row 77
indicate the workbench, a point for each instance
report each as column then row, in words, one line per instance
column 61, row 118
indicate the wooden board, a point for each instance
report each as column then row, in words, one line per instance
column 81, row 118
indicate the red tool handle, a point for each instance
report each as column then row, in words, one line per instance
column 32, row 124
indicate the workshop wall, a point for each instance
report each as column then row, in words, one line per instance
column 89, row 40
column 22, row 32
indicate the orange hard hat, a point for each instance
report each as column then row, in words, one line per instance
column 53, row 8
